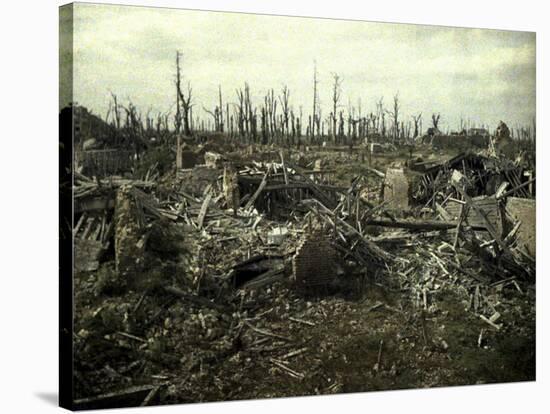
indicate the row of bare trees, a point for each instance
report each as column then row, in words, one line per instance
column 272, row 120
column 275, row 120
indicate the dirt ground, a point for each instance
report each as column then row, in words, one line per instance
column 378, row 341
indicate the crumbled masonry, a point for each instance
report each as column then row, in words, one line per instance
column 129, row 226
column 249, row 271
column 313, row 263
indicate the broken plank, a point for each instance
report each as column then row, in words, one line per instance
column 426, row 225
column 490, row 322
column 132, row 396
column 79, row 223
column 301, row 321
column 294, row 353
column 286, row 369
column 265, row 333
column 203, row 210
column 518, row 187
column 258, row 191
column 442, row 212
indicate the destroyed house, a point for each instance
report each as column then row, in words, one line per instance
column 484, row 174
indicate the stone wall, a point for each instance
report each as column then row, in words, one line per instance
column 524, row 209
column 231, row 188
column 129, row 243
column 397, row 189
column 87, row 254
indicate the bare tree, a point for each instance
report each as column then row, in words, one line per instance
column 336, row 95
column 221, row 126
column 240, row 111
column 271, row 108
column 132, row 131
column 177, row 118
column 264, row 126
column 381, row 117
column 395, row 116
column 249, row 115
column 216, row 115
column 435, row 121
column 116, row 110
column 315, row 99
column 284, row 100
column 246, row 114
column 416, row 120
column 183, row 102
column 186, row 106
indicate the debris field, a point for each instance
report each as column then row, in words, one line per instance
column 256, row 271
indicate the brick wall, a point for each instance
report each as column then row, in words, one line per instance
column 313, row 263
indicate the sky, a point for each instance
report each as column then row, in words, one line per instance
column 473, row 74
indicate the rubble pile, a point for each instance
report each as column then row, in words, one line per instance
column 267, row 276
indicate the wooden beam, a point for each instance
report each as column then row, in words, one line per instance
column 427, row 225
column 204, row 209
column 258, row 191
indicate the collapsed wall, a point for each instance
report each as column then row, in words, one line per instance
column 397, row 189
column 231, row 187
column 313, row 262
column 187, row 159
column 87, row 254
column 524, row 210
column 129, row 234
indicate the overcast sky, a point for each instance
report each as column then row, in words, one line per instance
column 481, row 75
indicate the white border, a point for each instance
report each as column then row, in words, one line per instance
column 28, row 226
